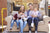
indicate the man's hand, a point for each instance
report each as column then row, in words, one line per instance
column 34, row 15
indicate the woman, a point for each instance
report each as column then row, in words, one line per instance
column 21, row 16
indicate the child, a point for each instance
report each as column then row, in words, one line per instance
column 35, row 16
column 14, row 19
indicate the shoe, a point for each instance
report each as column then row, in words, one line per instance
column 17, row 28
column 10, row 28
column 36, row 32
column 19, row 32
column 29, row 31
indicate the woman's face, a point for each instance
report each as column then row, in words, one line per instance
column 22, row 7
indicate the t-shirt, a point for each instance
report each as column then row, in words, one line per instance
column 31, row 13
column 34, row 13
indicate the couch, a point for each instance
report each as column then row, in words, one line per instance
column 42, row 25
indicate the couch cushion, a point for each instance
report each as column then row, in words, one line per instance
column 14, row 12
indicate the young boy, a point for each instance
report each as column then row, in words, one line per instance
column 14, row 19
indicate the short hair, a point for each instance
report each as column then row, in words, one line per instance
column 30, row 4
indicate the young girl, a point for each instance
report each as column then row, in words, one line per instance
column 35, row 16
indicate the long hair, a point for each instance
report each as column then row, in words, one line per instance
column 23, row 9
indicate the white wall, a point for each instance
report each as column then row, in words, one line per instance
column 48, row 1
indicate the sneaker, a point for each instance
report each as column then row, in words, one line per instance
column 17, row 28
column 19, row 32
column 29, row 31
column 10, row 28
column 36, row 32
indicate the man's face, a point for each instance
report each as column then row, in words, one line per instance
column 30, row 7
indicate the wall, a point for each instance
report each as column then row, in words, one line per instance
column 3, row 4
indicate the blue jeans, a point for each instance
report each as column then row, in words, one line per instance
column 35, row 20
column 12, row 23
column 29, row 21
column 22, row 24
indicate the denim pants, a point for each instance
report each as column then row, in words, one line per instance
column 35, row 23
column 12, row 23
column 22, row 24
column 36, row 20
column 29, row 21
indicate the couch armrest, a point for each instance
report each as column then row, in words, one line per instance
column 8, row 18
column 46, row 20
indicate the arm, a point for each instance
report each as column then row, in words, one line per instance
column 39, row 14
column 34, row 15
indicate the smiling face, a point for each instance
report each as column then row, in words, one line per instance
column 30, row 7
column 35, row 9
column 22, row 8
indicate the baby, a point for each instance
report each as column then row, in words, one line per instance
column 21, row 15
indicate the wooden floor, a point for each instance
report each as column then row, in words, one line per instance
column 24, row 32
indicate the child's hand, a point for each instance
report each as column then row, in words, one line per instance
column 34, row 15
column 13, row 18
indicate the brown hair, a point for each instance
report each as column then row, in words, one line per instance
column 23, row 9
column 19, row 12
column 30, row 4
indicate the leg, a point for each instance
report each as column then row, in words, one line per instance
column 17, row 24
column 29, row 23
column 21, row 25
column 12, row 22
column 36, row 24
column 24, row 24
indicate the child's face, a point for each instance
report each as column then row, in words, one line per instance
column 35, row 9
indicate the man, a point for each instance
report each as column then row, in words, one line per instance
column 29, row 16
column 32, row 15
